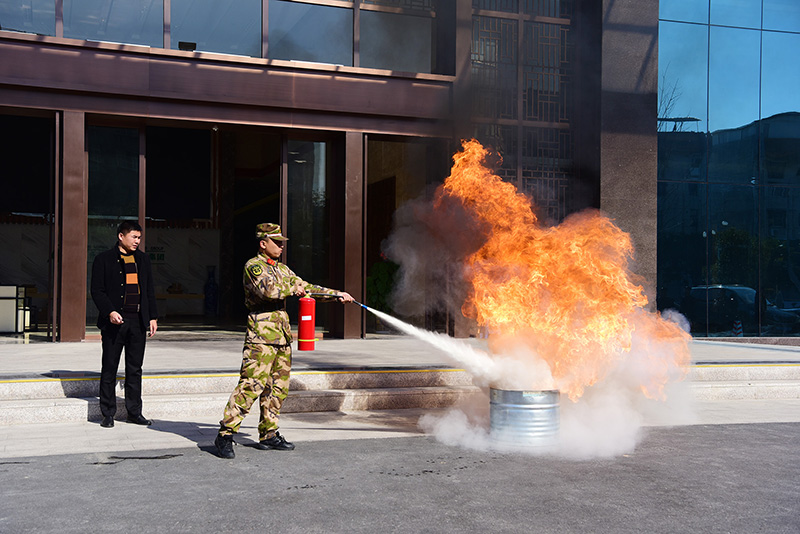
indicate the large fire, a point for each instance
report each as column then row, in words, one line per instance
column 564, row 291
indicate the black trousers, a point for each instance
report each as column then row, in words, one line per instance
column 131, row 336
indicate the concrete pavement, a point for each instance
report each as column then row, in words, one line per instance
column 713, row 479
column 183, row 352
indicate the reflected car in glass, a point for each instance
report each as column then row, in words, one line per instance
column 731, row 307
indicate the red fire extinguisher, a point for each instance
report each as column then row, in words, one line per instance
column 305, row 329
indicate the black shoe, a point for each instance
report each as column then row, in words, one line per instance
column 276, row 442
column 225, row 446
column 139, row 420
column 108, row 421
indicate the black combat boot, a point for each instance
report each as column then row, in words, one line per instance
column 225, row 446
column 276, row 442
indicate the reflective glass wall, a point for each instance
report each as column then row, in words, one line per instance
column 414, row 36
column 135, row 21
column 729, row 165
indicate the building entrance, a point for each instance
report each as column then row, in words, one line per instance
column 26, row 225
column 199, row 193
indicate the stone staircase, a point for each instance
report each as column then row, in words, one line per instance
column 73, row 397
column 736, row 381
column 174, row 396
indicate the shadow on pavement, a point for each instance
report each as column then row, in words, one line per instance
column 202, row 434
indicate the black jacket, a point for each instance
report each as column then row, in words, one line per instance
column 108, row 285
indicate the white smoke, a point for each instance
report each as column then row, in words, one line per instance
column 608, row 420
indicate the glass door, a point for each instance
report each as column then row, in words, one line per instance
column 308, row 216
column 26, row 224
column 113, row 192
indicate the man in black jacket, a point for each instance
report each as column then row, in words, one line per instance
column 122, row 289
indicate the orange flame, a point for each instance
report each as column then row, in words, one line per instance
column 566, row 291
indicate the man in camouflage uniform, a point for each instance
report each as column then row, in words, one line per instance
column 267, row 353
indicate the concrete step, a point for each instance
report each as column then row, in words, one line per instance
column 177, row 406
column 73, row 397
column 168, row 384
column 744, row 372
column 69, row 385
column 746, row 389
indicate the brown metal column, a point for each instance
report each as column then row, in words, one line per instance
column 55, row 234
column 74, row 240
column 354, row 232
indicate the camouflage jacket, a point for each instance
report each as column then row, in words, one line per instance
column 267, row 283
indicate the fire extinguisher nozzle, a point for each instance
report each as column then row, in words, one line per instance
column 356, row 302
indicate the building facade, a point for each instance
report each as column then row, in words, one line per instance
column 201, row 119
column 729, row 165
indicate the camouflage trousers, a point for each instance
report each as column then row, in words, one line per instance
column 265, row 376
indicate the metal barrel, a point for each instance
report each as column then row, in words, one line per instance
column 525, row 418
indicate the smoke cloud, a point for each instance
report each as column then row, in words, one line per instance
column 430, row 243
column 608, row 420
column 562, row 307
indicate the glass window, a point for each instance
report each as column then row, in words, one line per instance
column 732, row 258
column 27, row 168
column 506, row 6
column 779, row 253
column 780, row 136
column 682, row 77
column 305, row 32
column 399, row 171
column 494, row 67
column 381, row 33
column 308, row 221
column 780, row 108
column 113, row 172
column 136, row 21
column 740, row 13
column 178, row 167
column 733, row 155
column 780, row 73
column 682, row 242
column 29, row 16
column 682, row 101
column 183, row 244
column 682, row 156
column 113, row 189
column 782, row 15
column 733, row 77
column 548, row 8
column 684, row 10
column 249, row 194
column 733, row 105
column 26, row 213
column 224, row 26
column 780, row 139
column 444, row 47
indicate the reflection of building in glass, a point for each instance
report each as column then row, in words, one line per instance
column 729, row 198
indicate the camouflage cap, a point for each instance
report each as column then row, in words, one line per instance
column 269, row 230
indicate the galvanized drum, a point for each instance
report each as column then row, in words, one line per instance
column 525, row 418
